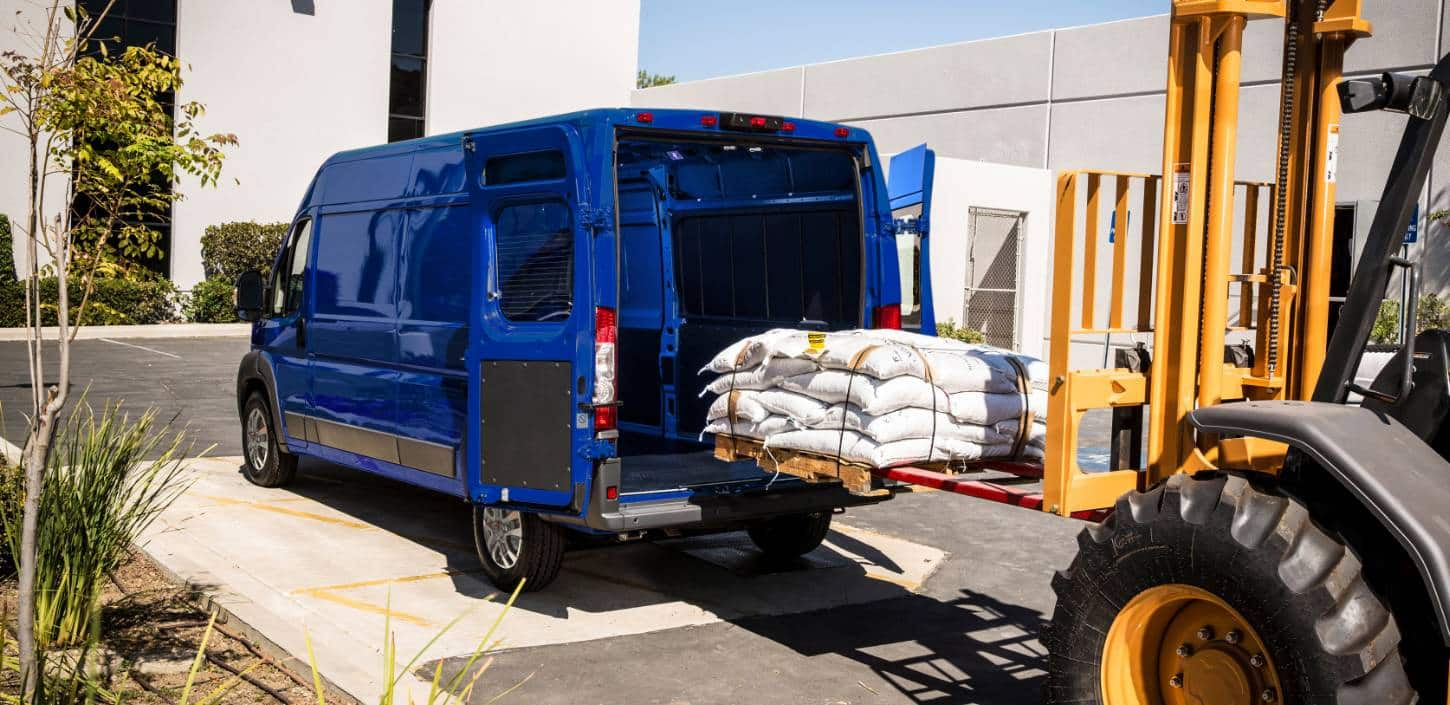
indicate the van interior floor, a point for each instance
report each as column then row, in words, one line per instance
column 653, row 464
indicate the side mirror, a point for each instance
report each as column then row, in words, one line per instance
column 251, row 295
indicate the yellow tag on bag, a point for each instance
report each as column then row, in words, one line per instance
column 817, row 341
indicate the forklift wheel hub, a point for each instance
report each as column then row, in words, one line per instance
column 1182, row 645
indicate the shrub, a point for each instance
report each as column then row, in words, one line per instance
column 211, row 302
column 228, row 249
column 949, row 329
column 1432, row 312
column 112, row 302
column 7, row 252
column 100, row 493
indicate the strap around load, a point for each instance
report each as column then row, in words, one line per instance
column 1025, row 417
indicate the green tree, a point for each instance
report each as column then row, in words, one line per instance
column 645, row 79
column 98, row 120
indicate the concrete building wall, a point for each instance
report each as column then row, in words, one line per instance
column 1090, row 97
column 297, row 82
column 496, row 61
column 1009, row 188
column 293, row 87
column 22, row 26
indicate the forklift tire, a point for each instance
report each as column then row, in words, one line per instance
column 263, row 461
column 517, row 547
column 1222, row 592
column 792, row 535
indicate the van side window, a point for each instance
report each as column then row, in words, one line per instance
column 287, row 281
column 534, row 252
column 530, row 166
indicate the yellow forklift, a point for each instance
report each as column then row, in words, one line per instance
column 1269, row 542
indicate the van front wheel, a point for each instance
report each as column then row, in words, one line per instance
column 792, row 535
column 517, row 547
column 264, row 464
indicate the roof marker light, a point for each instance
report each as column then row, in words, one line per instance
column 709, row 120
column 645, row 118
column 843, row 132
column 757, row 121
column 787, row 127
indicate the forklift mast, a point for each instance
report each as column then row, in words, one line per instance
column 1283, row 292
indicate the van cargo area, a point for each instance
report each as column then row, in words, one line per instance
column 720, row 240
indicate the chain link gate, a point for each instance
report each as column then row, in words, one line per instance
column 994, row 270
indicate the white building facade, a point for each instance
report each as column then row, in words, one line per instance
column 297, row 80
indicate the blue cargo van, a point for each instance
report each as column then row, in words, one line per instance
column 515, row 316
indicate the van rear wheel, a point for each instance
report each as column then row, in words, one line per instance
column 792, row 535
column 517, row 547
column 264, row 464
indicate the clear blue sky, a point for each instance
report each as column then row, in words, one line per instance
column 695, row 39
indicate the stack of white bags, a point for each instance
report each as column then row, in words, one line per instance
column 879, row 397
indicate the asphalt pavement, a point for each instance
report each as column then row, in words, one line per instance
column 966, row 634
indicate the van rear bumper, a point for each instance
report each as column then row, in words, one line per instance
column 722, row 511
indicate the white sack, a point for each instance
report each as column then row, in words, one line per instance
column 763, row 376
column 746, row 408
column 755, row 405
column 854, row 447
column 911, row 423
column 749, row 352
column 875, row 397
column 988, row 409
column 772, row 425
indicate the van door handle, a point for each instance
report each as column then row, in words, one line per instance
column 301, row 332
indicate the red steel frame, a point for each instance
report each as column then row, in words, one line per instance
column 982, row 489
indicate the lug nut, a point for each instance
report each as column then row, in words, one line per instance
column 1184, row 651
column 1176, row 681
column 1268, row 695
column 1233, row 637
column 1205, row 633
column 1257, row 660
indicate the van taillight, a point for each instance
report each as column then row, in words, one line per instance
column 606, row 332
column 888, row 317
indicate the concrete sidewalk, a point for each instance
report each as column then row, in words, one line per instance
column 153, row 332
column 340, row 552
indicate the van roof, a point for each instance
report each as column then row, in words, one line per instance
column 664, row 117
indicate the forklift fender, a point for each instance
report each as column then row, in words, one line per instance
column 1397, row 476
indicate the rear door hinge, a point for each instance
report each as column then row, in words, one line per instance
column 591, row 217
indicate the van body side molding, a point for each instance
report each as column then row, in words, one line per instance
column 429, row 457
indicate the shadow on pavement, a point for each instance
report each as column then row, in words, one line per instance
column 973, row 649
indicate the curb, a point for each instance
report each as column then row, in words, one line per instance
column 208, row 604
column 159, row 330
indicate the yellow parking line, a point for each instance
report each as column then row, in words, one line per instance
column 350, row 523
column 370, row 607
column 330, row 594
column 387, row 581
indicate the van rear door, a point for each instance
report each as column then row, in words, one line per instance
column 530, row 344
column 909, row 183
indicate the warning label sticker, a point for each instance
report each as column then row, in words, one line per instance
column 1180, row 194
column 1331, row 154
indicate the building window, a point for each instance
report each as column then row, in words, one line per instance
column 408, row 81
column 137, row 23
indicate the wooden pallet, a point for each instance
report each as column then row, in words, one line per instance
column 857, row 479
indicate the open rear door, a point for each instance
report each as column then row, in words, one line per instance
column 909, row 181
column 529, row 345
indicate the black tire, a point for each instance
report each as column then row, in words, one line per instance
column 1329, row 637
column 792, row 535
column 278, row 467
column 540, row 552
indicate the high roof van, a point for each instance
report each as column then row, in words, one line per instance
column 515, row 316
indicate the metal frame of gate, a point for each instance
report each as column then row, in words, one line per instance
column 969, row 290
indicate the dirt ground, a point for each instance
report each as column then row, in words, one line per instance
column 152, row 629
